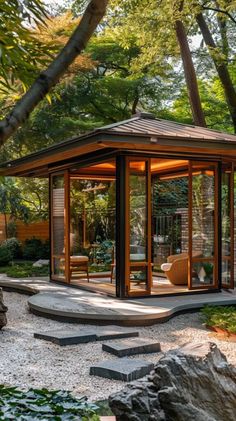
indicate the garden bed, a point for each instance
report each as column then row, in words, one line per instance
column 24, row 269
column 223, row 332
column 221, row 320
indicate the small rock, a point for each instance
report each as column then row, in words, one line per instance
column 40, row 263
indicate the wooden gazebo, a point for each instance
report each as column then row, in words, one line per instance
column 148, row 193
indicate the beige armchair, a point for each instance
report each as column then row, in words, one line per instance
column 176, row 268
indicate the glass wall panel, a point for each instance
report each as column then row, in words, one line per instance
column 58, row 226
column 234, row 216
column 92, row 222
column 203, row 233
column 227, row 220
column 170, row 184
column 139, row 273
column 169, row 217
column 138, row 211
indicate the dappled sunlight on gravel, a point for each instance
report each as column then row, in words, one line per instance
column 28, row 362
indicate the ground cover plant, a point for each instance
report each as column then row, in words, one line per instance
column 24, row 269
column 43, row 404
column 221, row 317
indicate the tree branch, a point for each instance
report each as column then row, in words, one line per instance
column 48, row 78
column 221, row 67
column 217, row 10
column 189, row 70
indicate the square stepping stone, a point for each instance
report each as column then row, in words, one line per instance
column 132, row 347
column 70, row 337
column 106, row 334
column 124, row 369
column 66, row 337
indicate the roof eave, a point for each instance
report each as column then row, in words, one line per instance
column 98, row 139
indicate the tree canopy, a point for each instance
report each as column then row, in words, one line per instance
column 136, row 57
column 21, row 52
column 56, row 69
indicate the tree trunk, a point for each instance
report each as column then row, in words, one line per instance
column 222, row 22
column 190, row 75
column 135, row 103
column 221, row 67
column 48, row 78
column 5, row 223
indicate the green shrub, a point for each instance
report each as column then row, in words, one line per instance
column 43, row 271
column 103, row 253
column 45, row 250
column 24, row 270
column 34, row 249
column 5, row 255
column 31, row 248
column 14, row 246
column 43, row 404
column 220, row 316
column 18, row 271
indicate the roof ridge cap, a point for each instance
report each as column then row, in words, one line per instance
column 118, row 123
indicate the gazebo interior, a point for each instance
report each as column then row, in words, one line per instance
column 167, row 237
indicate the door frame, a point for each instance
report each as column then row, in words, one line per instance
column 66, row 255
column 215, row 259
column 231, row 257
column 147, row 263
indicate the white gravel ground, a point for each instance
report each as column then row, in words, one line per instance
column 28, row 362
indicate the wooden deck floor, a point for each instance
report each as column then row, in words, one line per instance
column 160, row 286
column 66, row 304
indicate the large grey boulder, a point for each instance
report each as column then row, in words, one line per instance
column 3, row 310
column 192, row 383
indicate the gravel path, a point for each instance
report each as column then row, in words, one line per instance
column 28, row 362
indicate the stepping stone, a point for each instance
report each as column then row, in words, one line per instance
column 66, row 337
column 124, row 369
column 106, row 334
column 69, row 337
column 132, row 347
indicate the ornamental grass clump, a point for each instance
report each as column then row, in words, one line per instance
column 43, row 404
column 220, row 317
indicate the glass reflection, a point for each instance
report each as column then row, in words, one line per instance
column 58, row 225
column 203, row 224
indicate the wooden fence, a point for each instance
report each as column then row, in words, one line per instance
column 25, row 231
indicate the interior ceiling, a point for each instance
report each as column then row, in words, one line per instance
column 157, row 166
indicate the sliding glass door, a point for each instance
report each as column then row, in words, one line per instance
column 203, row 225
column 59, row 227
column 227, row 212
column 138, row 235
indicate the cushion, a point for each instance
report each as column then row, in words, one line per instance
column 75, row 259
column 166, row 266
column 137, row 257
